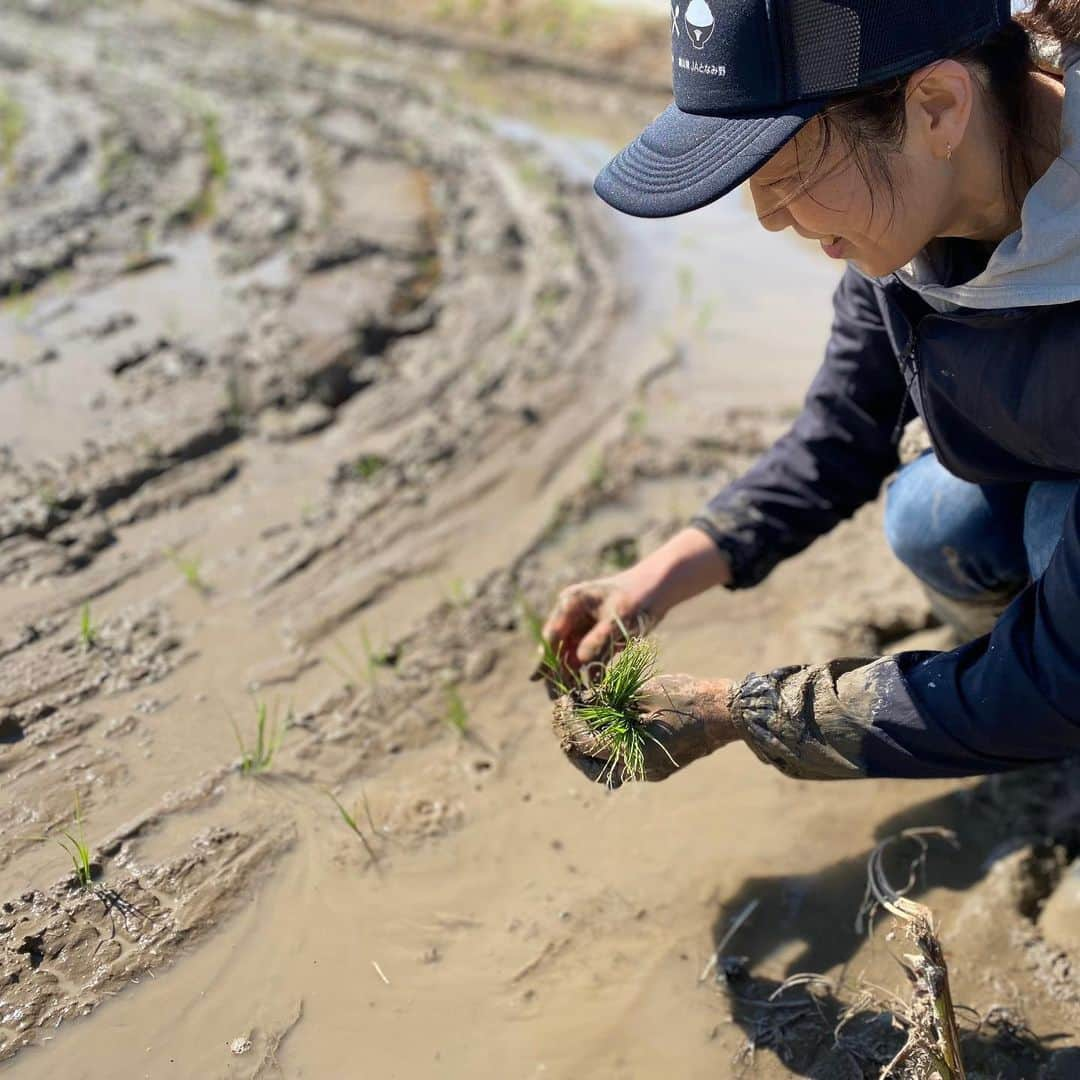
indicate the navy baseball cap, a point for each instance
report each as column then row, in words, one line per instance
column 748, row 74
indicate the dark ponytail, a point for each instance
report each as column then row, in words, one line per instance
column 1056, row 19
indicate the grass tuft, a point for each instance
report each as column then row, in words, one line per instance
column 374, row 661
column 202, row 206
column 351, row 822
column 598, row 473
column 258, row 756
column 73, row 843
column 190, row 567
column 217, row 163
column 367, row 466
column 457, row 593
column 621, row 553
column 457, row 715
column 611, row 711
column 88, row 632
column 12, row 126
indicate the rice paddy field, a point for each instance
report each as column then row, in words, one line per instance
column 321, row 372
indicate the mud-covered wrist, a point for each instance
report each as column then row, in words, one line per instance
column 795, row 720
column 758, row 716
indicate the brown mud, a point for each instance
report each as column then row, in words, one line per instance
column 313, row 370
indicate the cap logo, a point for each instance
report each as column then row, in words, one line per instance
column 700, row 23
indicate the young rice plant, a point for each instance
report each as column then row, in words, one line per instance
column 350, row 820
column 611, row 711
column 87, row 629
column 73, row 843
column 259, row 756
column 374, row 660
column 190, row 567
column 457, row 715
column 551, row 667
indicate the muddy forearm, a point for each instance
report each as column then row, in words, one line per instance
column 806, row 722
column 836, row 722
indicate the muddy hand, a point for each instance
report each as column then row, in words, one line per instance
column 588, row 624
column 685, row 719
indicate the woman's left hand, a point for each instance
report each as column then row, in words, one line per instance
column 687, row 719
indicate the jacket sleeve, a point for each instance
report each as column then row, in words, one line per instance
column 835, row 457
column 1006, row 701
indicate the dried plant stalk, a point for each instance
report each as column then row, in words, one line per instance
column 933, row 1033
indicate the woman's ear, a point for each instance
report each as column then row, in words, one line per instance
column 940, row 100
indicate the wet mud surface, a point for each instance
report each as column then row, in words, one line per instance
column 314, row 379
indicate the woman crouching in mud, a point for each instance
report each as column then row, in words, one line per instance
column 935, row 147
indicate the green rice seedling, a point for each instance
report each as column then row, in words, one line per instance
column 202, row 206
column 637, row 420
column 610, row 709
column 87, row 630
column 351, row 822
column 235, row 400
column 12, row 126
column 367, row 466
column 118, row 160
column 598, row 473
column 457, row 593
column 621, row 553
column 457, row 715
column 269, row 732
column 374, row 660
column 551, row 666
column 214, row 151
column 190, row 567
column 73, row 843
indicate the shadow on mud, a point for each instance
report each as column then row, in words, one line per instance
column 820, row 1030
column 821, row 1035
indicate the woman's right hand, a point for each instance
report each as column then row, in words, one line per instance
column 588, row 623
column 589, row 619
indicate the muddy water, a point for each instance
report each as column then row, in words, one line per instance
column 738, row 313
column 349, row 420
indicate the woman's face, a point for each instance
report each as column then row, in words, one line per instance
column 877, row 229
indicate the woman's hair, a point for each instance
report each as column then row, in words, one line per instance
column 1057, row 19
column 872, row 122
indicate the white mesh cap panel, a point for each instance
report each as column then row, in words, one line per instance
column 827, row 38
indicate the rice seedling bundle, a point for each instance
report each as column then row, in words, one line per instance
column 610, row 710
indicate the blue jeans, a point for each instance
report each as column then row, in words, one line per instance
column 968, row 541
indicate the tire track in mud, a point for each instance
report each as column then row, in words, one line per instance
column 296, row 262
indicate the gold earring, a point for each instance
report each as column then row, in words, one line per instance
column 948, row 151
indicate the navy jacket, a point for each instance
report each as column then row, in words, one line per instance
column 1000, row 395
